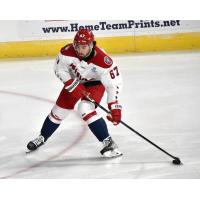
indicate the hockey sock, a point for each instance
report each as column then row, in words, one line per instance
column 99, row 129
column 48, row 128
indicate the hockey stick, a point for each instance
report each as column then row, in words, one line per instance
column 176, row 160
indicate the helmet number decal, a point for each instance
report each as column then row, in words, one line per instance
column 114, row 72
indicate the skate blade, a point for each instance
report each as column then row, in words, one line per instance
column 30, row 151
column 112, row 154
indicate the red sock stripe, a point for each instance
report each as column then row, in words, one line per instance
column 88, row 116
column 55, row 117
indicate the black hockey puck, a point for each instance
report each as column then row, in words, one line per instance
column 176, row 161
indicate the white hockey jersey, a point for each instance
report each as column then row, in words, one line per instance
column 100, row 67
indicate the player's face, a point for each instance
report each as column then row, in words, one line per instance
column 83, row 50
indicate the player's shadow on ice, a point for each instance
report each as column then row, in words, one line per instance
column 92, row 161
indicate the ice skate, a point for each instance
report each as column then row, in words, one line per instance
column 110, row 148
column 34, row 144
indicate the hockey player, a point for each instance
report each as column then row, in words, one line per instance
column 82, row 66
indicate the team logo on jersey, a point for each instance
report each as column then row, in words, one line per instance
column 107, row 60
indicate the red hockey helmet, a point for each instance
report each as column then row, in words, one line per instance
column 83, row 37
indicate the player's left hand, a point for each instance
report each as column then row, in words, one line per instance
column 115, row 113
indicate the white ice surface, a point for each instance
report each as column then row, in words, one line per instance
column 160, row 98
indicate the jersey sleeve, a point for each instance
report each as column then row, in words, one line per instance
column 61, row 67
column 112, row 80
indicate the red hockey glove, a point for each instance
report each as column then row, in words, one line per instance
column 115, row 115
column 75, row 88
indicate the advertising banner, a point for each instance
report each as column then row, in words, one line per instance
column 28, row 30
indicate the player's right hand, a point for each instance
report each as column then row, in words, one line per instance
column 75, row 88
